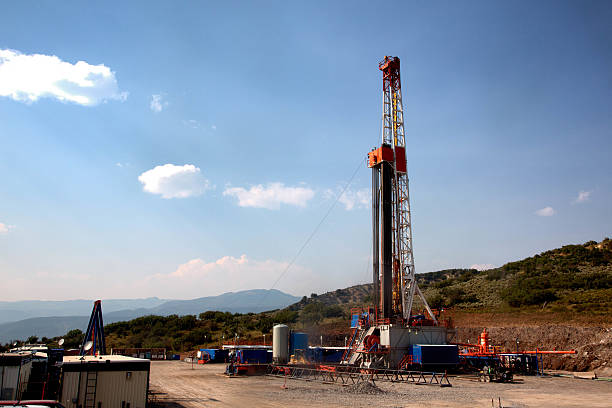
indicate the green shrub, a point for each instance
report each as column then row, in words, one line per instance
column 436, row 301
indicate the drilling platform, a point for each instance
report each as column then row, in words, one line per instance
column 384, row 335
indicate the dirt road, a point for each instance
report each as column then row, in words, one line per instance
column 176, row 385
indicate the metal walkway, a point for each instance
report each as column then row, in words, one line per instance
column 351, row 375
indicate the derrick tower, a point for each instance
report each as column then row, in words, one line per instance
column 395, row 285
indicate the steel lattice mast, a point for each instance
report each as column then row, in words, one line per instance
column 390, row 183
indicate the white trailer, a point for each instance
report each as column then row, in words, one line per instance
column 15, row 369
column 104, row 381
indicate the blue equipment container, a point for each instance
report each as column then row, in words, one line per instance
column 214, row 355
column 298, row 341
column 253, row 356
column 435, row 354
column 325, row 355
column 332, row 356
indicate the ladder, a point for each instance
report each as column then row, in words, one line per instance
column 358, row 344
column 91, row 385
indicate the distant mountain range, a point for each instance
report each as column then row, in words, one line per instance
column 20, row 320
column 24, row 309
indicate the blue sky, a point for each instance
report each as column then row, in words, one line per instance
column 198, row 144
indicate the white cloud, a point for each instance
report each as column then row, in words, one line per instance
column 27, row 78
column 172, row 181
column 192, row 123
column 271, row 196
column 583, row 196
column 482, row 267
column 213, row 127
column 157, row 103
column 229, row 273
column 353, row 199
column 545, row 212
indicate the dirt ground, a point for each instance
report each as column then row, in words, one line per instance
column 176, row 384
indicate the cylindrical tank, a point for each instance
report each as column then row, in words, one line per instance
column 280, row 344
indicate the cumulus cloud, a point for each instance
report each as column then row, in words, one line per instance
column 583, row 196
column 352, row 199
column 270, row 196
column 230, row 273
column 172, row 181
column 4, row 229
column 192, row 123
column 29, row 77
column 157, row 103
column 545, row 212
column 482, row 267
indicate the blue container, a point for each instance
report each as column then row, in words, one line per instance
column 298, row 341
column 435, row 354
column 253, row 356
column 315, row 354
column 214, row 355
column 325, row 355
column 332, row 356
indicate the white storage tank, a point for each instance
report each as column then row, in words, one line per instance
column 280, row 344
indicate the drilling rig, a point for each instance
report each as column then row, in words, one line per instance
column 383, row 335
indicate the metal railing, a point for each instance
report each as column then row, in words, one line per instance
column 350, row 376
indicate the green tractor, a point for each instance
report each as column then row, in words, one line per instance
column 495, row 373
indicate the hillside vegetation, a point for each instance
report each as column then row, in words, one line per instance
column 574, row 279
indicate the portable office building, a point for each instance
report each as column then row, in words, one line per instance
column 104, row 381
column 15, row 369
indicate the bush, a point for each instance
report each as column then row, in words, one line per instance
column 443, row 284
column 436, row 301
column 517, row 298
column 333, row 311
column 496, row 274
column 453, row 295
column 313, row 313
column 286, row 316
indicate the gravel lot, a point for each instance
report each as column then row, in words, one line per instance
column 175, row 384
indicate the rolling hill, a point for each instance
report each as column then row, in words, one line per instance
column 24, row 309
column 48, row 325
column 573, row 278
